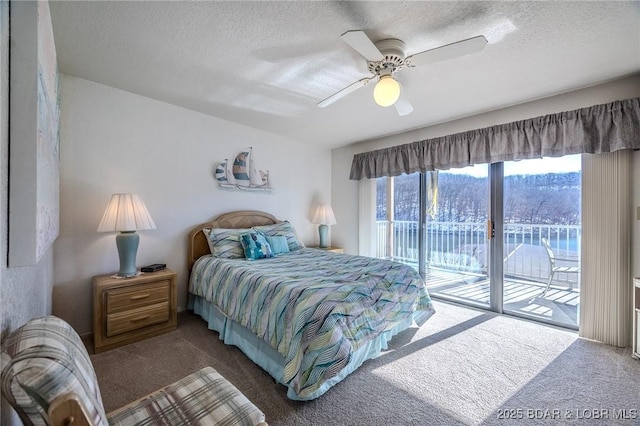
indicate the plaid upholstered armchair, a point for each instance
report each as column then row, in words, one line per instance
column 48, row 378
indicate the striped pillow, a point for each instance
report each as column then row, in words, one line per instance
column 282, row 228
column 225, row 243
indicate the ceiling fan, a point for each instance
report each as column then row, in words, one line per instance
column 386, row 57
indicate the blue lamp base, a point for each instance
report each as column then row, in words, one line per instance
column 127, row 243
column 323, row 231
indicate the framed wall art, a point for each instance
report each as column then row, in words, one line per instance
column 34, row 135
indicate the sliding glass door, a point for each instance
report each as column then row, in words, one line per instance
column 503, row 237
column 542, row 239
column 457, row 249
column 397, row 218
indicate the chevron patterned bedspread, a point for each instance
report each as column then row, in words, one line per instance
column 314, row 307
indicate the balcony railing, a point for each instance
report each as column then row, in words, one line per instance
column 463, row 247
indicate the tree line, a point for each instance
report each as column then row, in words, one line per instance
column 551, row 198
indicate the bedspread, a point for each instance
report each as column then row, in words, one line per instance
column 314, row 307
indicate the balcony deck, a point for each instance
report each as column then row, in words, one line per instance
column 457, row 261
column 521, row 296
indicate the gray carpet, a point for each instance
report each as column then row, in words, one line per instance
column 463, row 367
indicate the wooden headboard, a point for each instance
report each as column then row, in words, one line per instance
column 198, row 245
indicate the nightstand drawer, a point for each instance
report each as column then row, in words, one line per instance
column 124, row 299
column 137, row 318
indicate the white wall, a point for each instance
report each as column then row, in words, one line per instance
column 115, row 141
column 344, row 194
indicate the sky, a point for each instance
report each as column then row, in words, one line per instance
column 568, row 163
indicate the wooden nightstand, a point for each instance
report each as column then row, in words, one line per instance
column 126, row 310
column 331, row 249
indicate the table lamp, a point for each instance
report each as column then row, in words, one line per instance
column 323, row 217
column 127, row 214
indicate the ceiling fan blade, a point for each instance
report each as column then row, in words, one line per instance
column 403, row 105
column 448, row 51
column 363, row 45
column 344, row 92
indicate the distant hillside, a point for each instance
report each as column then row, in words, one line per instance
column 552, row 198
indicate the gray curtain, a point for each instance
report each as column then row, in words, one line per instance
column 594, row 130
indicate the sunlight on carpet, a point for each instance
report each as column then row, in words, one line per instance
column 480, row 363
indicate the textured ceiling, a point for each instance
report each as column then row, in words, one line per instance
column 266, row 64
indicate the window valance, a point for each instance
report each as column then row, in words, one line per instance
column 596, row 129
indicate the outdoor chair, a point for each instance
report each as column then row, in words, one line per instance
column 553, row 267
column 48, row 378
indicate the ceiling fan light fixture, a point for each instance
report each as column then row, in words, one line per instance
column 387, row 91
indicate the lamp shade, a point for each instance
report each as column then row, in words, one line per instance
column 324, row 215
column 126, row 212
column 387, row 91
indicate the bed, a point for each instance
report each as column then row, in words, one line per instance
column 308, row 317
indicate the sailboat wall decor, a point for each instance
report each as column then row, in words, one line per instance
column 242, row 174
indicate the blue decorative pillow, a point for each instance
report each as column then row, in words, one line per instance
column 255, row 246
column 281, row 229
column 278, row 244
